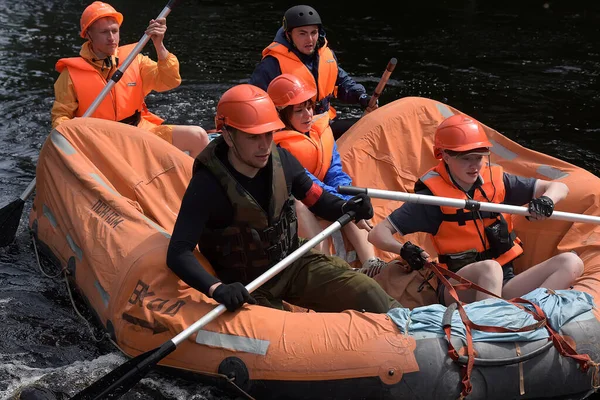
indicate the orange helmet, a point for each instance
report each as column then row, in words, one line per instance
column 249, row 109
column 94, row 12
column 288, row 89
column 459, row 133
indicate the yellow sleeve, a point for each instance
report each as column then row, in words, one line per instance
column 159, row 76
column 65, row 99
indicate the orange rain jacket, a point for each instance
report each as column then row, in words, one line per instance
column 158, row 76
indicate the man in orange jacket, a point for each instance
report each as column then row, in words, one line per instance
column 83, row 78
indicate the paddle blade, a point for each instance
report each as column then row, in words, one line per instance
column 120, row 380
column 10, row 217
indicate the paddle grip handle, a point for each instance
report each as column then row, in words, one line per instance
column 382, row 82
column 351, row 190
column 392, row 64
column 344, row 219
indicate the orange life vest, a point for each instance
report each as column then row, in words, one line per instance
column 125, row 99
column 291, row 64
column 315, row 150
column 461, row 229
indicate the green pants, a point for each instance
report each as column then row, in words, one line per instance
column 324, row 284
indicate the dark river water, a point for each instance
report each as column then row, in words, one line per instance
column 529, row 71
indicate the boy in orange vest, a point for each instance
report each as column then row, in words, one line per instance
column 477, row 245
column 83, row 78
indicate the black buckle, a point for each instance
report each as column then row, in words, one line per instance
column 275, row 252
column 270, row 234
column 290, row 212
column 282, row 225
column 292, row 217
column 485, row 255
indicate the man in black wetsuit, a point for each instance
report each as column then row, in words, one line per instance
column 239, row 210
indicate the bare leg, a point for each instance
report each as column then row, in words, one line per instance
column 190, row 139
column 308, row 226
column 358, row 237
column 487, row 274
column 558, row 272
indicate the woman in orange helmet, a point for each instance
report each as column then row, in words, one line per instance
column 310, row 139
column 478, row 245
column 83, row 78
column 239, row 210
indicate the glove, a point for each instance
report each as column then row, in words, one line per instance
column 412, row 255
column 542, row 205
column 361, row 205
column 364, row 100
column 232, row 295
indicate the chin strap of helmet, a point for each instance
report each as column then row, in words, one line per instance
column 235, row 149
column 225, row 129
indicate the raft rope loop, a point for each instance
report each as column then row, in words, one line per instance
column 63, row 271
column 232, row 382
column 39, row 263
column 563, row 347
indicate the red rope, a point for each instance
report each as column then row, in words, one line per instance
column 563, row 347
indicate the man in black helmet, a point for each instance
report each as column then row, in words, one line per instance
column 300, row 48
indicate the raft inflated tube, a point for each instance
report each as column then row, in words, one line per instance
column 447, row 321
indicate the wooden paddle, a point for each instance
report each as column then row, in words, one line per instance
column 382, row 82
column 10, row 213
column 119, row 381
column 466, row 204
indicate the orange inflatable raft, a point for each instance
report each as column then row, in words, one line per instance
column 108, row 196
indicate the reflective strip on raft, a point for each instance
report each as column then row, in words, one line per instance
column 232, row 342
column 444, row 110
column 153, row 224
column 502, row 151
column 545, row 170
column 62, row 143
column 76, row 249
column 157, row 227
column 103, row 293
column 48, row 214
column 551, row 172
column 101, row 181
